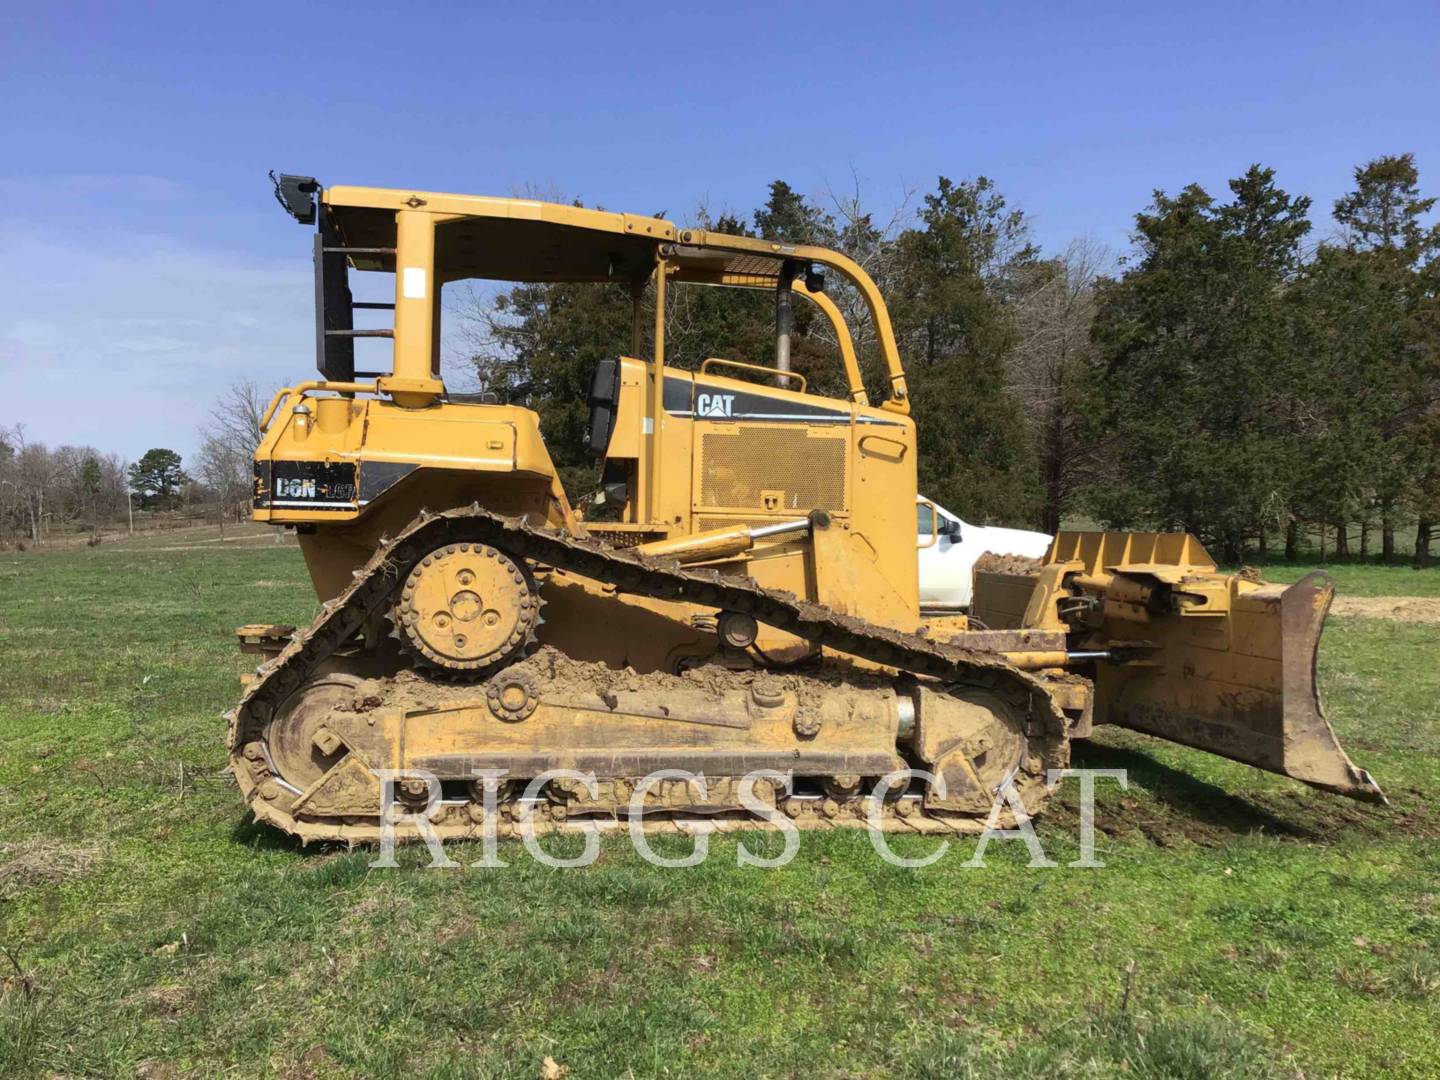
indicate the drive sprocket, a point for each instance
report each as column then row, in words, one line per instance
column 468, row 609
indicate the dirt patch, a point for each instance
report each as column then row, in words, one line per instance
column 375, row 908
column 168, row 1001
column 1418, row 609
column 1009, row 564
column 34, row 862
column 1161, row 819
column 1167, row 807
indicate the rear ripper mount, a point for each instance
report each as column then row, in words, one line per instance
column 306, row 740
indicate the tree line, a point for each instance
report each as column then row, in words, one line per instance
column 46, row 491
column 1250, row 370
column 1242, row 373
column 41, row 487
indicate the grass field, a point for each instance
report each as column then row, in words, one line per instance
column 150, row 929
column 1363, row 579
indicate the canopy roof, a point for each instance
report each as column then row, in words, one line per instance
column 526, row 240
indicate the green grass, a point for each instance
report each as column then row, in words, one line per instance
column 1266, row 928
column 1362, row 579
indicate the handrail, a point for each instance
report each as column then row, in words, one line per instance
column 761, row 368
column 899, row 400
column 301, row 389
column 843, row 339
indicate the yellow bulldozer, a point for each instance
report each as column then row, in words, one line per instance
column 749, row 605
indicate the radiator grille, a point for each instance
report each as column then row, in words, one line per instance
column 808, row 470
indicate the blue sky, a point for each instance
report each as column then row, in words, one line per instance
column 146, row 263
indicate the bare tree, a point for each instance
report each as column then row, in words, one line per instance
column 871, row 244
column 9, row 480
column 1053, row 313
column 114, row 487
column 235, row 417
column 40, row 487
column 226, row 473
column 35, row 471
column 227, row 446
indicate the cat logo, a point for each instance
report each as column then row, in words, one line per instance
column 294, row 489
column 714, row 404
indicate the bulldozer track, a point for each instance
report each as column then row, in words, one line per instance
column 375, row 585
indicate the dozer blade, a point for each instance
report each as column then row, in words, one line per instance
column 1233, row 672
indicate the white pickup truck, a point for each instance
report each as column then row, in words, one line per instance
column 948, row 553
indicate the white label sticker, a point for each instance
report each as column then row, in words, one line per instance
column 715, row 405
column 649, row 425
column 412, row 283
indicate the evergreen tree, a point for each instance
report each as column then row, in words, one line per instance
column 952, row 276
column 1392, row 250
column 541, row 344
column 1347, row 411
column 90, row 480
column 1383, row 212
column 157, row 476
column 1198, row 361
column 789, row 217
